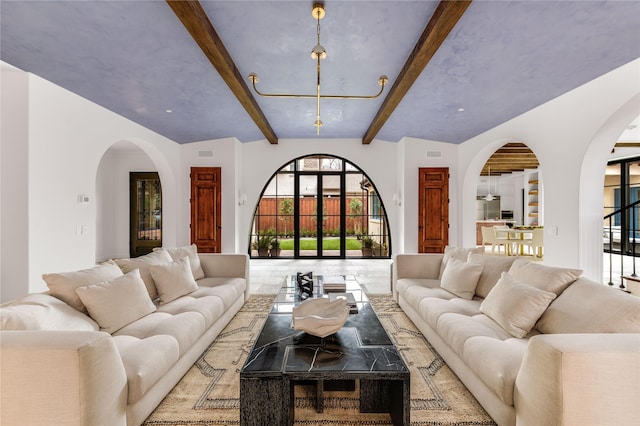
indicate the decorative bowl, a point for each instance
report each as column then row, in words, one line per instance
column 320, row 317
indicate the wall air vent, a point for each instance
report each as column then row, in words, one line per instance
column 205, row 154
column 434, row 154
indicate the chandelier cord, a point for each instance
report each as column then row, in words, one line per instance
column 318, row 123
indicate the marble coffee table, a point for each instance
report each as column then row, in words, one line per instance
column 360, row 351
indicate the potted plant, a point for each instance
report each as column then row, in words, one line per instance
column 367, row 246
column 275, row 248
column 262, row 244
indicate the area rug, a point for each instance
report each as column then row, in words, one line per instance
column 209, row 393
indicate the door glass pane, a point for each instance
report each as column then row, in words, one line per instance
column 308, row 228
column 331, row 212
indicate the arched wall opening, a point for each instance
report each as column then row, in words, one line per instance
column 591, row 190
column 469, row 191
column 112, row 195
column 319, row 206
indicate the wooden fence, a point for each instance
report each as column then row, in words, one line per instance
column 270, row 218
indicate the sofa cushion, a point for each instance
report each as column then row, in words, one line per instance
column 492, row 269
column 415, row 293
column 404, row 283
column 63, row 284
column 455, row 329
column 548, row 278
column 210, row 307
column 144, row 263
column 228, row 293
column 240, row 284
column 173, row 279
column 431, row 308
column 460, row 253
column 590, row 307
column 40, row 311
column 191, row 252
column 146, row 361
column 495, row 362
column 185, row 327
column 460, row 278
column 515, row 306
column 116, row 303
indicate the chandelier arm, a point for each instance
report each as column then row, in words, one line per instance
column 283, row 95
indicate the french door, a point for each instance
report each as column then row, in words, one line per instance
column 145, row 214
column 319, row 206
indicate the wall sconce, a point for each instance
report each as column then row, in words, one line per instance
column 242, row 198
column 397, row 199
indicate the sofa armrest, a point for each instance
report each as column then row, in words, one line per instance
column 579, row 379
column 61, row 377
column 226, row 265
column 415, row 265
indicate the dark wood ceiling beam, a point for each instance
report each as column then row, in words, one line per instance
column 441, row 23
column 195, row 20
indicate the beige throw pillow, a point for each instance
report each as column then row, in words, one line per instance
column 544, row 277
column 63, row 284
column 461, row 278
column 191, row 252
column 460, row 253
column 144, row 263
column 492, row 269
column 515, row 306
column 116, row 303
column 173, row 279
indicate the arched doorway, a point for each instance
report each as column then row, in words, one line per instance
column 320, row 206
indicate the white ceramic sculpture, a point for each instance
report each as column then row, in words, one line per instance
column 320, row 317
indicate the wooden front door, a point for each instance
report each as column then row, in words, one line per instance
column 206, row 219
column 433, row 209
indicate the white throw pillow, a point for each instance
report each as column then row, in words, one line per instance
column 173, row 279
column 191, row 251
column 548, row 278
column 460, row 253
column 143, row 263
column 515, row 306
column 116, row 303
column 63, row 284
column 461, row 278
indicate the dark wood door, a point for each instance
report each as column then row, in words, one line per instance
column 433, row 209
column 206, row 219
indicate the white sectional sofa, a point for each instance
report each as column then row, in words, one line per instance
column 535, row 345
column 105, row 345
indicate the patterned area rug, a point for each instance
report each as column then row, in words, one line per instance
column 209, row 393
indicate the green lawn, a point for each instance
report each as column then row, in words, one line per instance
column 328, row 244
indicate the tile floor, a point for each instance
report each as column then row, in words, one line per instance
column 374, row 275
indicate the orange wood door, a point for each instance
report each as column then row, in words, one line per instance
column 433, row 209
column 206, row 220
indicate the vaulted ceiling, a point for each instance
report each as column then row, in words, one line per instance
column 142, row 58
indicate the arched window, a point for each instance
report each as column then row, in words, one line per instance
column 320, row 206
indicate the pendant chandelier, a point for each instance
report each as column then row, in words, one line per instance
column 489, row 197
column 317, row 53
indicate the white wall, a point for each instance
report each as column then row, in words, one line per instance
column 67, row 136
column 559, row 133
column 415, row 156
column 14, row 183
column 112, row 198
column 224, row 155
column 261, row 159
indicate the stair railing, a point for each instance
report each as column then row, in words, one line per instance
column 628, row 236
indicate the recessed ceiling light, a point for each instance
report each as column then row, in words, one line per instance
column 168, row 110
column 460, row 109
